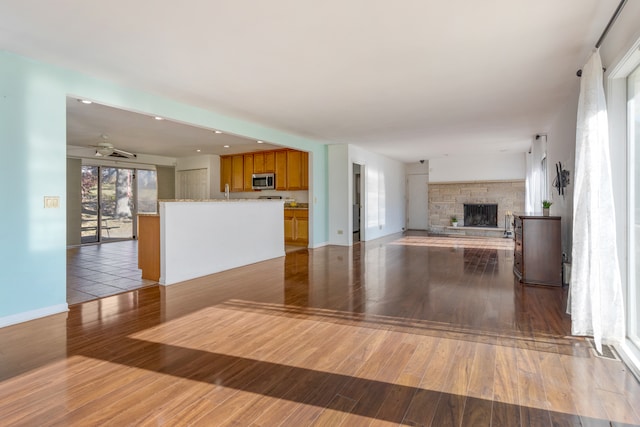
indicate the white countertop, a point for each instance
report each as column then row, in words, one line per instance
column 219, row 200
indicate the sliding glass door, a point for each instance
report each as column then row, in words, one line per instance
column 111, row 199
column 116, row 204
column 89, row 230
column 147, row 191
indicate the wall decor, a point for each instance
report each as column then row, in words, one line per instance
column 561, row 180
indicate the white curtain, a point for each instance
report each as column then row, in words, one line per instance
column 595, row 303
column 535, row 191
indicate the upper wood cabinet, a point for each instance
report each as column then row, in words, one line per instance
column 248, row 172
column 281, row 169
column 237, row 172
column 291, row 168
column 269, row 162
column 297, row 170
column 304, row 170
column 225, row 172
column 258, row 162
column 294, row 174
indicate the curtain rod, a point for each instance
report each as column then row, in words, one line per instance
column 608, row 27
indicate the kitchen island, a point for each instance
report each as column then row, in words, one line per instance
column 201, row 237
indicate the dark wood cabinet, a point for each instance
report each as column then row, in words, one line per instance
column 538, row 250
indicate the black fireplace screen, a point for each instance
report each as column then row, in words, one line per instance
column 480, row 215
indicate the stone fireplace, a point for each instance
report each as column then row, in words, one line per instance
column 448, row 199
column 480, row 215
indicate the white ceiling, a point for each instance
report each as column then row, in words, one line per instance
column 411, row 79
column 140, row 133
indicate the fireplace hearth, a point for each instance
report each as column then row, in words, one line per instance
column 480, row 215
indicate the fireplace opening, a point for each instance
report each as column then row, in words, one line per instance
column 480, row 215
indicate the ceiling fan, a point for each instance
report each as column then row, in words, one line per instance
column 106, row 149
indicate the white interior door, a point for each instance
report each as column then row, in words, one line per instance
column 193, row 184
column 418, row 202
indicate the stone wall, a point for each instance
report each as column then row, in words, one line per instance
column 448, row 199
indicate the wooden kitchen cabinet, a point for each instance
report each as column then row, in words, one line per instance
column 237, row 172
column 281, row 169
column 149, row 246
column 289, row 219
column 294, row 172
column 538, row 250
column 296, row 226
column 304, row 169
column 248, row 172
column 302, row 226
column 264, row 162
column 269, row 162
column 291, row 168
column 258, row 162
column 225, row 172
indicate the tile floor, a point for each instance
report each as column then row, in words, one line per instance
column 97, row 271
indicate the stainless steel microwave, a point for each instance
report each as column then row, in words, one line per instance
column 263, row 181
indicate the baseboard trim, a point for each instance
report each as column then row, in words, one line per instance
column 319, row 245
column 25, row 316
column 630, row 358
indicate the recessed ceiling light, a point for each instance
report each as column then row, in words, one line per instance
column 217, row 131
column 85, row 101
column 198, row 150
column 259, row 142
column 225, row 146
column 158, row 118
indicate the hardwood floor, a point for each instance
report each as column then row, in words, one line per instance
column 414, row 330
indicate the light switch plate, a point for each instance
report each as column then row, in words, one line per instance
column 51, row 202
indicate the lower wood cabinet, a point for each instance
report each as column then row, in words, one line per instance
column 149, row 246
column 538, row 250
column 296, row 227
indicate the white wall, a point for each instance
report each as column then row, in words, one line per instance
column 487, row 167
column 561, row 143
column 340, row 188
column 384, row 194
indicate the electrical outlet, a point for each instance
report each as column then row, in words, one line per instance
column 340, row 231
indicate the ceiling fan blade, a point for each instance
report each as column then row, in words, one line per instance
column 124, row 153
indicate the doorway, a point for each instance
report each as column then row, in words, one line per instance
column 418, row 202
column 357, row 202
